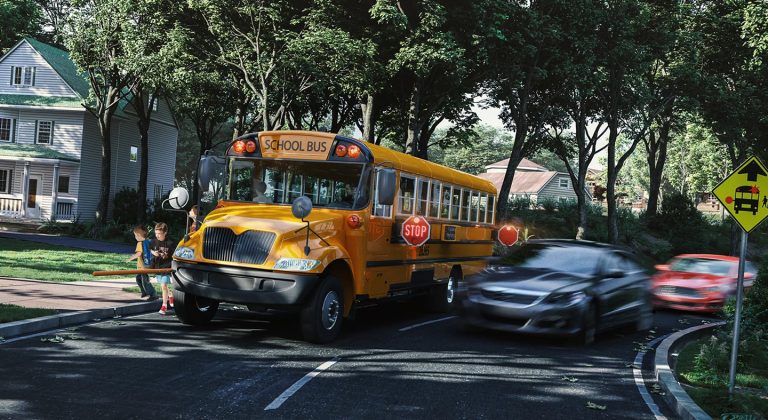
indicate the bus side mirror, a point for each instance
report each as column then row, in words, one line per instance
column 386, row 183
column 205, row 171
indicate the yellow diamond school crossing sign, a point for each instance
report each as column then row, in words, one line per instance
column 744, row 193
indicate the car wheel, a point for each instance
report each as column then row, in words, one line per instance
column 645, row 319
column 321, row 319
column 443, row 297
column 588, row 327
column 192, row 309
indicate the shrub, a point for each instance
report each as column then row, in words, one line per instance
column 549, row 205
column 124, row 206
column 681, row 224
column 53, row 227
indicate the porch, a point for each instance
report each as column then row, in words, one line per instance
column 12, row 209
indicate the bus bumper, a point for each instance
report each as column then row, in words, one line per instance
column 246, row 286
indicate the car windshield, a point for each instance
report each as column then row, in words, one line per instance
column 702, row 265
column 327, row 184
column 565, row 258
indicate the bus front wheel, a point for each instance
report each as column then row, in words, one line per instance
column 321, row 319
column 192, row 309
column 441, row 298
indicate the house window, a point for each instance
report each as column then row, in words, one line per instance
column 6, row 129
column 6, row 181
column 152, row 102
column 563, row 183
column 158, row 192
column 44, row 132
column 134, row 153
column 63, row 184
column 23, row 76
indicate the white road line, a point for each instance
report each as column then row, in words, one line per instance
column 637, row 370
column 298, row 384
column 426, row 323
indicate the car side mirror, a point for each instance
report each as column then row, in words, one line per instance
column 386, row 183
column 614, row 274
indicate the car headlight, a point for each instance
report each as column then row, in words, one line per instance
column 566, row 299
column 185, row 253
column 296, row 264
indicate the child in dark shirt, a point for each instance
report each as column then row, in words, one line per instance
column 162, row 249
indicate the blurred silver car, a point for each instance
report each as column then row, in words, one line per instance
column 559, row 287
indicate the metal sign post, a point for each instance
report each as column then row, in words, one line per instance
column 744, row 195
column 737, row 322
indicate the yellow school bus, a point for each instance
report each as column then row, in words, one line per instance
column 312, row 222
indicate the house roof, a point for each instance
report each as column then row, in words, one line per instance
column 35, row 100
column 33, row 151
column 524, row 164
column 523, row 182
column 63, row 65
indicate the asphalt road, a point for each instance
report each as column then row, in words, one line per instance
column 153, row 366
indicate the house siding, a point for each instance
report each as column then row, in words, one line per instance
column 89, row 186
column 553, row 189
column 47, row 81
column 67, row 129
column 162, row 158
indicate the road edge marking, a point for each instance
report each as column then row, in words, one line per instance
column 426, row 323
column 277, row 402
column 637, row 371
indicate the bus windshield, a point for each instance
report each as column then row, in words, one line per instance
column 327, row 184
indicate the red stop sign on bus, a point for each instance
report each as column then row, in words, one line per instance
column 416, row 230
column 508, row 235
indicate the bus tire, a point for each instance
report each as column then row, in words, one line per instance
column 321, row 319
column 192, row 309
column 442, row 298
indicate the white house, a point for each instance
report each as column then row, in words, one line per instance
column 532, row 180
column 50, row 146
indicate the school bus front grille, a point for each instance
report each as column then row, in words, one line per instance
column 250, row 247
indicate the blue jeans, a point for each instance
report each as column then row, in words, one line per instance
column 145, row 286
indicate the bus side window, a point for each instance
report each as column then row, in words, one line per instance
column 423, row 197
column 465, row 205
column 407, row 195
column 491, row 209
column 434, row 200
column 455, row 199
column 379, row 209
column 445, row 206
column 483, row 206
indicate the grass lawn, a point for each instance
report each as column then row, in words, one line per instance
column 711, row 393
column 10, row 313
column 33, row 260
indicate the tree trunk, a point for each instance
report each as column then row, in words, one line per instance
column 143, row 113
column 613, row 219
column 369, row 118
column 514, row 160
column 414, row 128
column 105, row 125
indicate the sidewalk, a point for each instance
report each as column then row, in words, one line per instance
column 68, row 242
column 79, row 296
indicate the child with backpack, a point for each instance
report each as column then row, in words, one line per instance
column 143, row 258
column 162, row 250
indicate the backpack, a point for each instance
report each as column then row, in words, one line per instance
column 145, row 254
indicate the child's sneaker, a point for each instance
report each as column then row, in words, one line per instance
column 162, row 310
column 170, row 301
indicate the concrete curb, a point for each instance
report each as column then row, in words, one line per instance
column 675, row 395
column 53, row 322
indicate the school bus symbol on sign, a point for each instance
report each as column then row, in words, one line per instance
column 744, row 193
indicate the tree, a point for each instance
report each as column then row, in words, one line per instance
column 20, row 18
column 484, row 146
column 95, row 47
column 54, row 20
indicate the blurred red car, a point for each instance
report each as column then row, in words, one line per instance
column 698, row 282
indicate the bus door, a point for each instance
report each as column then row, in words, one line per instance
column 381, row 268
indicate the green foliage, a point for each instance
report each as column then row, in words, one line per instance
column 20, row 18
column 125, row 202
column 482, row 146
column 685, row 227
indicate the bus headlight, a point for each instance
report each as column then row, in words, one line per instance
column 185, row 253
column 296, row 264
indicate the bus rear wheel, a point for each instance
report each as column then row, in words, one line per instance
column 192, row 309
column 321, row 319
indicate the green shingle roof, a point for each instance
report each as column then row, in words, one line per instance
column 34, row 100
column 33, row 151
column 63, row 65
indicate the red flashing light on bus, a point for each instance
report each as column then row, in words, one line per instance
column 250, row 146
column 238, row 146
column 341, row 150
column 353, row 151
